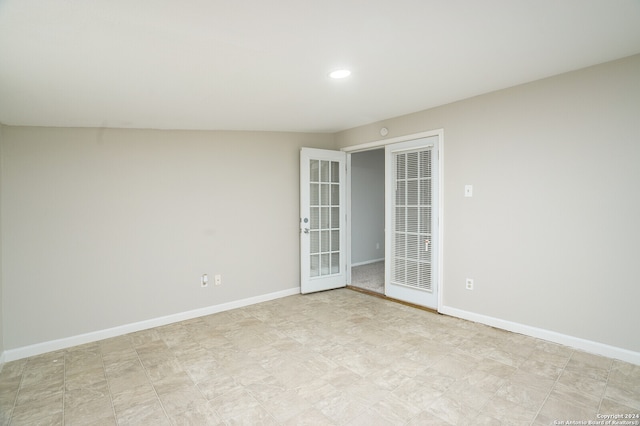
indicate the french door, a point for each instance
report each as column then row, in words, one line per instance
column 322, row 220
column 411, row 221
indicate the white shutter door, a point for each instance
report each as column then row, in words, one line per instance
column 412, row 221
column 412, row 233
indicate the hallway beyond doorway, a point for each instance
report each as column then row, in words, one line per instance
column 369, row 276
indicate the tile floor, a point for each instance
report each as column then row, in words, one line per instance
column 337, row 357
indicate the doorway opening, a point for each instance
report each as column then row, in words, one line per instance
column 368, row 220
column 370, row 208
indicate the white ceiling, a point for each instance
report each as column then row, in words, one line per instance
column 263, row 65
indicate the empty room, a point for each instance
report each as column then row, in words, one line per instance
column 341, row 213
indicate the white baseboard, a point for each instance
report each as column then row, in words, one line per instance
column 367, row 262
column 551, row 336
column 55, row 345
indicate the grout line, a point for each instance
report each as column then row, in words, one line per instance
column 146, row 373
column 552, row 388
column 15, row 400
column 106, row 378
column 606, row 385
column 64, row 383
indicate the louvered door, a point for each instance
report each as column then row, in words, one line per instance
column 412, row 188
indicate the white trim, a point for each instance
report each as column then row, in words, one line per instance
column 347, row 222
column 440, row 248
column 67, row 342
column 367, row 262
column 384, row 142
column 551, row 336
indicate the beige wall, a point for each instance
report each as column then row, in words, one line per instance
column 102, row 228
column 551, row 234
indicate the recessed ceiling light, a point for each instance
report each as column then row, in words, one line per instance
column 340, row 73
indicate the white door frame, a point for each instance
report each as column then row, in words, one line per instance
column 381, row 144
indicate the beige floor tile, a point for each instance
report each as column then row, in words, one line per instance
column 267, row 388
column 76, row 396
column 86, row 377
column 370, row 417
column 425, row 418
column 8, row 392
column 434, row 379
column 181, row 400
column 495, row 368
column 252, row 416
column 418, row 394
column 558, row 408
column 133, row 396
column 551, row 354
column 574, row 396
column 146, row 413
column 203, row 414
column 506, row 357
column 523, row 395
column 309, row 417
column 484, row 420
column 166, row 379
column 395, row 410
column 509, row 413
column 609, row 407
column 541, row 368
column 233, row 403
column 216, row 385
column 626, row 396
column 115, row 366
column 539, row 382
column 338, row 407
column 573, row 381
column 38, row 396
column 370, row 361
column 35, row 418
column 593, row 366
column 126, row 381
column 483, row 381
column 452, row 410
column 469, row 395
column 35, row 375
column 89, row 412
column 40, row 408
column 286, row 405
column 315, row 390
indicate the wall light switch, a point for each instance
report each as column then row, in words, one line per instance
column 468, row 190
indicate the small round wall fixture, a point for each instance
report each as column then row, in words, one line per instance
column 384, row 131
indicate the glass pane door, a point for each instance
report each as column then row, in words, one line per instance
column 324, row 187
column 322, row 230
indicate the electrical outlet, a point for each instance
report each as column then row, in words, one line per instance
column 469, row 284
column 204, row 280
column 218, row 279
